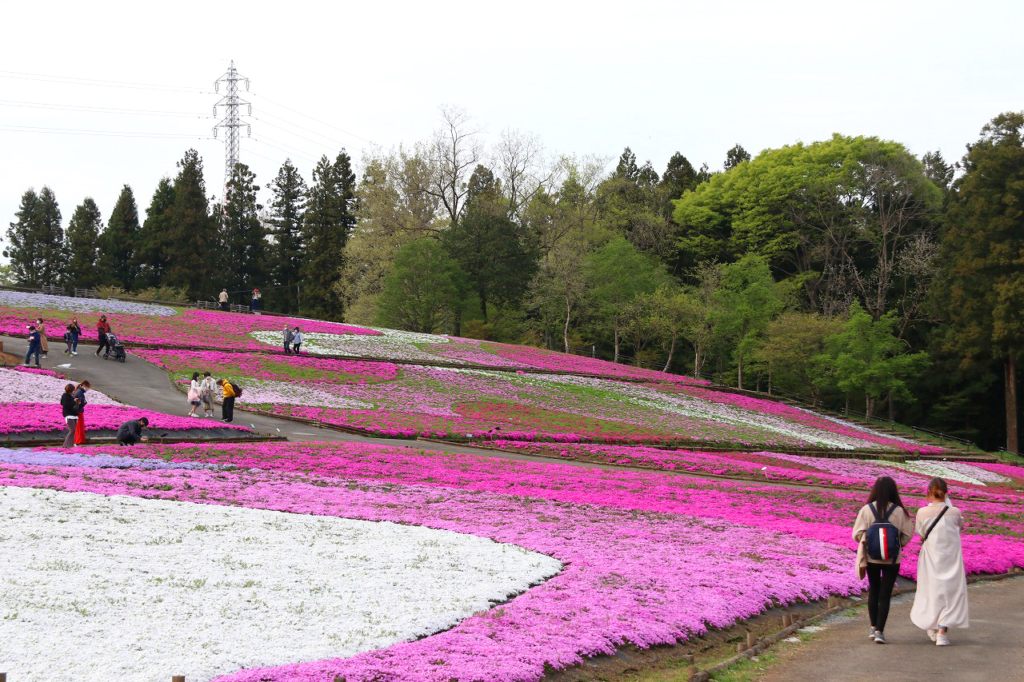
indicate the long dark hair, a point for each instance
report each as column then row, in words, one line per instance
column 195, row 375
column 885, row 493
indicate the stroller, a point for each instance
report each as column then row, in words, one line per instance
column 116, row 350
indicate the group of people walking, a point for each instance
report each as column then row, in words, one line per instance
column 201, row 391
column 39, row 347
column 883, row 528
column 292, row 340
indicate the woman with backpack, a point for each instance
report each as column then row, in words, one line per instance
column 941, row 599
column 882, row 529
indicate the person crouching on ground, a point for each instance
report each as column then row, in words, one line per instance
column 130, row 432
column 882, row 529
column 941, row 599
column 227, row 408
column 206, row 389
column 69, row 408
column 296, row 341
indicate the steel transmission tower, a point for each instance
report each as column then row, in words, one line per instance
column 232, row 120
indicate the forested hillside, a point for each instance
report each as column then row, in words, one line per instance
column 847, row 271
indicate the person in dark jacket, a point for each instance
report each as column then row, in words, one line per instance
column 34, row 344
column 288, row 340
column 71, row 334
column 69, row 408
column 81, row 401
column 102, row 329
column 130, row 432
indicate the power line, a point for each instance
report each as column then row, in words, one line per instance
column 74, row 80
column 303, row 137
column 96, row 110
column 110, row 133
column 308, row 130
column 267, row 99
column 292, row 152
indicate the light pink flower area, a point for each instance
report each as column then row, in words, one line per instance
column 1013, row 471
column 649, row 558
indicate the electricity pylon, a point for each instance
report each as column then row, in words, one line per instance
column 232, row 120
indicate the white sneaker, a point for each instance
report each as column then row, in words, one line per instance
column 941, row 640
column 932, row 633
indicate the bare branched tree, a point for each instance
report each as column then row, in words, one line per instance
column 455, row 150
column 521, row 165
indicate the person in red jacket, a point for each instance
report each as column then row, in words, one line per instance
column 102, row 329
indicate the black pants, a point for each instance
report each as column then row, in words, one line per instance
column 227, row 410
column 126, row 440
column 103, row 344
column 881, row 579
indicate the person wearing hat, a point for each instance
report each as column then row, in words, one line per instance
column 33, row 345
column 223, row 300
column 130, row 432
column 255, row 306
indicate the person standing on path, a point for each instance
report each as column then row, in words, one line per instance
column 296, row 341
column 72, row 332
column 102, row 329
column 194, row 388
column 227, row 409
column 82, row 402
column 206, row 389
column 69, row 408
column 883, row 515
column 44, row 344
column 130, row 432
column 33, row 345
column 287, row 340
column 223, row 300
column 254, row 307
column 941, row 599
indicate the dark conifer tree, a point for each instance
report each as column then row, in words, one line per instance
column 83, row 237
column 153, row 258
column 328, row 221
column 119, row 243
column 36, row 241
column 285, row 252
column 244, row 241
column 22, row 248
column 192, row 239
column 52, row 254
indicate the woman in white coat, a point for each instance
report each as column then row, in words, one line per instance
column 941, row 599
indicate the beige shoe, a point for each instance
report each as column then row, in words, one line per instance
column 932, row 633
column 941, row 640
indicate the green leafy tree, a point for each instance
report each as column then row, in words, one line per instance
column 326, row 227
column 154, row 256
column 193, row 261
column 617, row 274
column 700, row 327
column 867, row 358
column 983, row 278
column 789, row 343
column 83, row 237
column 495, row 252
column 119, row 257
column 244, row 240
column 748, row 300
column 287, row 208
column 674, row 309
column 425, row 291
column 630, row 203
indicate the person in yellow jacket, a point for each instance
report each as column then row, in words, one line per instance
column 227, row 409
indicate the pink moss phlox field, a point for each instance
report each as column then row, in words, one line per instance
column 45, row 418
column 38, row 370
column 1014, row 471
column 271, row 368
column 647, row 578
column 192, row 328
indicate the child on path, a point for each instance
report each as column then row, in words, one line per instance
column 33, row 345
column 206, row 389
column 941, row 599
column 194, row 389
column 884, row 507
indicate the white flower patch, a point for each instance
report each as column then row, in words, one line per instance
column 129, row 589
column 391, row 344
column 260, row 391
column 954, row 471
column 19, row 299
column 24, row 387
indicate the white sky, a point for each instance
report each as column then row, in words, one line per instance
column 587, row 77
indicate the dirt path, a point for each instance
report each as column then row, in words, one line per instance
column 991, row 650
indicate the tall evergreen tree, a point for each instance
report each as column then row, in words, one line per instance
column 679, row 176
column 983, row 281
column 22, row 249
column 326, row 226
column 119, row 243
column 244, row 248
column 52, row 255
column 285, row 253
column 192, row 238
column 152, row 247
column 735, row 157
column 83, row 244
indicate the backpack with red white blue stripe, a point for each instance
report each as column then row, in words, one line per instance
column 882, row 537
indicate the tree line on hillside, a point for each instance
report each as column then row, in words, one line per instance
column 847, row 270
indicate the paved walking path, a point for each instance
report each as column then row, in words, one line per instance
column 991, row 650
